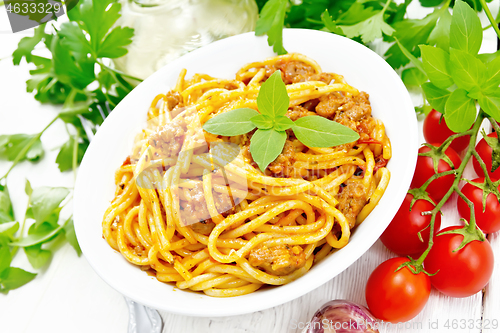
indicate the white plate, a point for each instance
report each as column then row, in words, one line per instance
column 361, row 67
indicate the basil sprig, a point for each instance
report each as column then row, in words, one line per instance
column 268, row 141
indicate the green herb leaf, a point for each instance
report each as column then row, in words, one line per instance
column 27, row 188
column 467, row 71
column 330, row 24
column 266, row 145
column 11, row 145
column 271, row 21
column 5, row 256
column 8, row 230
column 493, row 75
column 74, row 40
column 64, row 159
column 273, row 98
column 411, row 33
column 262, row 121
column 27, row 45
column 435, row 62
column 370, row 29
column 13, row 278
column 488, row 57
column 490, row 103
column 417, row 63
column 316, row 131
column 413, row 77
column 45, row 201
column 70, row 234
column 36, row 256
column 114, row 44
column 282, row 123
column 436, row 97
column 234, row 122
column 6, row 212
column 38, row 234
column 466, row 33
column 460, row 111
column 440, row 35
column 430, row 3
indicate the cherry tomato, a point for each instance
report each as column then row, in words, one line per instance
column 396, row 296
column 436, row 130
column 425, row 169
column 484, row 151
column 401, row 236
column 488, row 220
column 462, row 273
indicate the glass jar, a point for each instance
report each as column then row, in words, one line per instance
column 167, row 29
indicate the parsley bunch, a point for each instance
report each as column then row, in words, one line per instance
column 271, row 123
column 78, row 76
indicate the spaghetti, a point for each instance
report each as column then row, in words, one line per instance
column 193, row 208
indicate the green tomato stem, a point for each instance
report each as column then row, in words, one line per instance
column 455, row 187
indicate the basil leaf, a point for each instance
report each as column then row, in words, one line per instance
column 37, row 235
column 488, row 57
column 45, row 202
column 282, row 123
column 466, row 33
column 6, row 212
column 316, row 131
column 11, row 145
column 273, row 98
column 413, row 77
column 435, row 62
column 490, row 103
column 27, row 188
column 493, row 75
column 69, row 229
column 262, row 121
column 234, row 122
column 460, row 111
column 36, row 256
column 266, row 145
column 467, row 71
column 13, row 278
column 436, row 97
column 417, row 63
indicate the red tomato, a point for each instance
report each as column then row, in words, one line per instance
column 401, row 236
column 396, row 296
column 489, row 219
column 425, row 169
column 436, row 130
column 484, row 151
column 462, row 273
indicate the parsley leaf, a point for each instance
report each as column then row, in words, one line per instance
column 69, row 230
column 114, row 44
column 271, row 21
column 11, row 145
column 64, row 159
column 369, row 29
column 440, row 35
column 266, row 145
column 27, row 45
column 6, row 212
column 413, row 77
column 13, row 278
column 45, row 201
